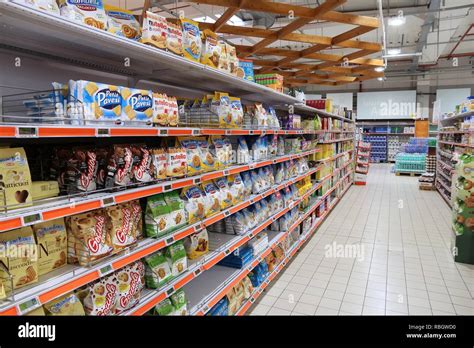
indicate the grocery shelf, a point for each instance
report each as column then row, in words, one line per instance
column 445, row 197
column 45, row 34
column 467, row 131
column 441, row 173
column 71, row 277
column 442, row 183
column 335, row 140
column 456, row 117
column 67, row 206
column 335, row 156
column 456, row 144
column 445, row 164
column 259, row 290
column 386, row 133
column 308, row 109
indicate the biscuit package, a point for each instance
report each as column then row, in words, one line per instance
column 160, row 163
column 221, row 106
column 154, row 30
column 224, row 191
column 130, row 281
column 42, row 5
column 99, row 101
column 164, row 308
column 195, row 203
column 174, row 41
column 88, row 239
column 67, row 304
column 233, row 60
column 173, row 112
column 137, row 104
column 177, row 162
column 224, row 58
column 197, row 244
column 237, row 112
column 81, row 171
column 213, row 198
column 100, row 297
column 15, row 178
column 102, row 155
column 90, row 12
column 142, row 168
column 119, row 169
column 19, row 259
column 209, row 162
column 237, row 188
column 157, row 270
column 176, row 255
column 51, row 237
column 179, row 302
column 160, row 109
column 211, row 49
column 121, row 224
column 192, row 43
column 194, row 156
column 157, row 216
column 177, row 214
column 122, row 23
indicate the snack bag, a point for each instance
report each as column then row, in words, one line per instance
column 173, row 112
column 197, row 244
column 233, row 60
column 159, row 163
column 223, row 63
column 130, row 281
column 176, row 255
column 213, row 197
column 67, row 304
column 102, row 157
column 154, row 30
column 247, row 180
column 42, row 5
column 177, row 162
column 243, row 153
column 195, row 203
column 160, row 109
column 90, row 12
column 99, row 101
column 179, row 301
column 81, row 171
column 15, row 178
column 192, row 43
column 157, row 270
column 221, row 105
column 174, row 41
column 142, row 168
column 88, row 239
column 219, row 150
column 137, row 104
column 157, row 219
column 177, row 214
column 194, row 156
column 51, row 237
column 120, row 227
column 237, row 112
column 19, row 259
column 164, row 308
column 137, row 222
column 211, row 49
column 237, row 188
column 209, row 162
column 100, row 297
column 226, row 198
column 122, row 23
column 119, row 169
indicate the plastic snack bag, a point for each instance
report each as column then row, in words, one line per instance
column 176, row 255
column 197, row 244
column 142, row 168
column 243, row 153
column 195, row 203
column 120, row 166
column 154, row 30
column 159, row 163
column 122, row 23
column 89, row 12
column 211, row 49
column 192, row 43
column 177, row 162
column 209, row 162
column 225, row 192
column 157, row 270
column 130, row 281
column 157, row 216
column 213, row 197
column 180, row 303
column 237, row 188
column 67, row 304
column 120, row 226
column 174, row 40
column 194, row 156
column 177, row 213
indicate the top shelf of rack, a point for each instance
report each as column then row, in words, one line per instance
column 43, row 34
column 308, row 109
column 457, row 117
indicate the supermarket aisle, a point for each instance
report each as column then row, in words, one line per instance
column 391, row 243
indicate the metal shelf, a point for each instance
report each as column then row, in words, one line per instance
column 456, row 144
column 456, row 117
column 46, row 35
column 445, row 197
column 311, row 110
column 448, row 188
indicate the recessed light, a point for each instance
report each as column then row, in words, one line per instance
column 380, row 78
column 393, row 51
column 396, row 21
column 379, row 69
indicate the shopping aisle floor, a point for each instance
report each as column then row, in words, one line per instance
column 397, row 257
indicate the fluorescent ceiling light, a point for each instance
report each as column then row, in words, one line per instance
column 393, row 51
column 379, row 69
column 380, row 78
column 396, row 21
column 389, row 55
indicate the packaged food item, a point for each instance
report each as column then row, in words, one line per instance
column 157, row 270
column 257, row 182
column 38, row 312
column 130, row 281
column 101, row 103
column 197, row 244
column 137, row 222
column 213, row 197
column 180, row 303
column 177, row 162
column 120, row 225
column 42, row 5
column 192, row 43
column 237, row 112
column 51, row 237
column 122, row 23
column 160, row 109
column 90, row 12
column 102, row 157
column 176, row 255
column 119, row 169
column 194, row 156
column 173, row 112
column 159, row 160
column 236, row 188
column 174, row 41
column 164, row 308
column 81, row 170
column 154, row 30
column 233, row 60
column 142, row 167
column 221, row 149
column 44, row 189
column 67, row 304
column 137, row 105
column 226, row 198
column 88, row 239
column 157, row 216
column 211, row 49
column 195, row 203
column 221, row 105
column 209, row 162
column 247, row 180
column 100, row 297
column 177, row 213
column 15, row 178
column 220, row 308
column 279, row 173
column 245, row 70
column 224, row 58
column 247, row 287
column 19, row 259
column 243, row 153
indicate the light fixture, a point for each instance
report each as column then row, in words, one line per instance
column 397, row 21
column 380, row 78
column 379, row 69
column 393, row 51
column 414, row 54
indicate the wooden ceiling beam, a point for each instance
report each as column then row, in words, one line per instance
column 225, row 17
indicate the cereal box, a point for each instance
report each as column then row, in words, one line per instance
column 122, row 23
column 15, row 178
column 100, row 101
column 90, row 12
column 137, row 105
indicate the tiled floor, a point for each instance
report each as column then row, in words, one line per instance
column 391, row 256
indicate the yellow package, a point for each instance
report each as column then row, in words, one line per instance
column 208, row 160
column 160, row 109
column 174, row 40
column 19, row 259
column 221, row 106
column 197, row 244
column 122, row 23
column 211, row 49
column 232, row 58
column 154, row 30
column 15, row 178
column 51, row 237
column 67, row 304
column 38, row 312
column 195, row 204
column 237, row 112
column 224, row 58
column 193, row 155
column 192, row 43
column 45, row 189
